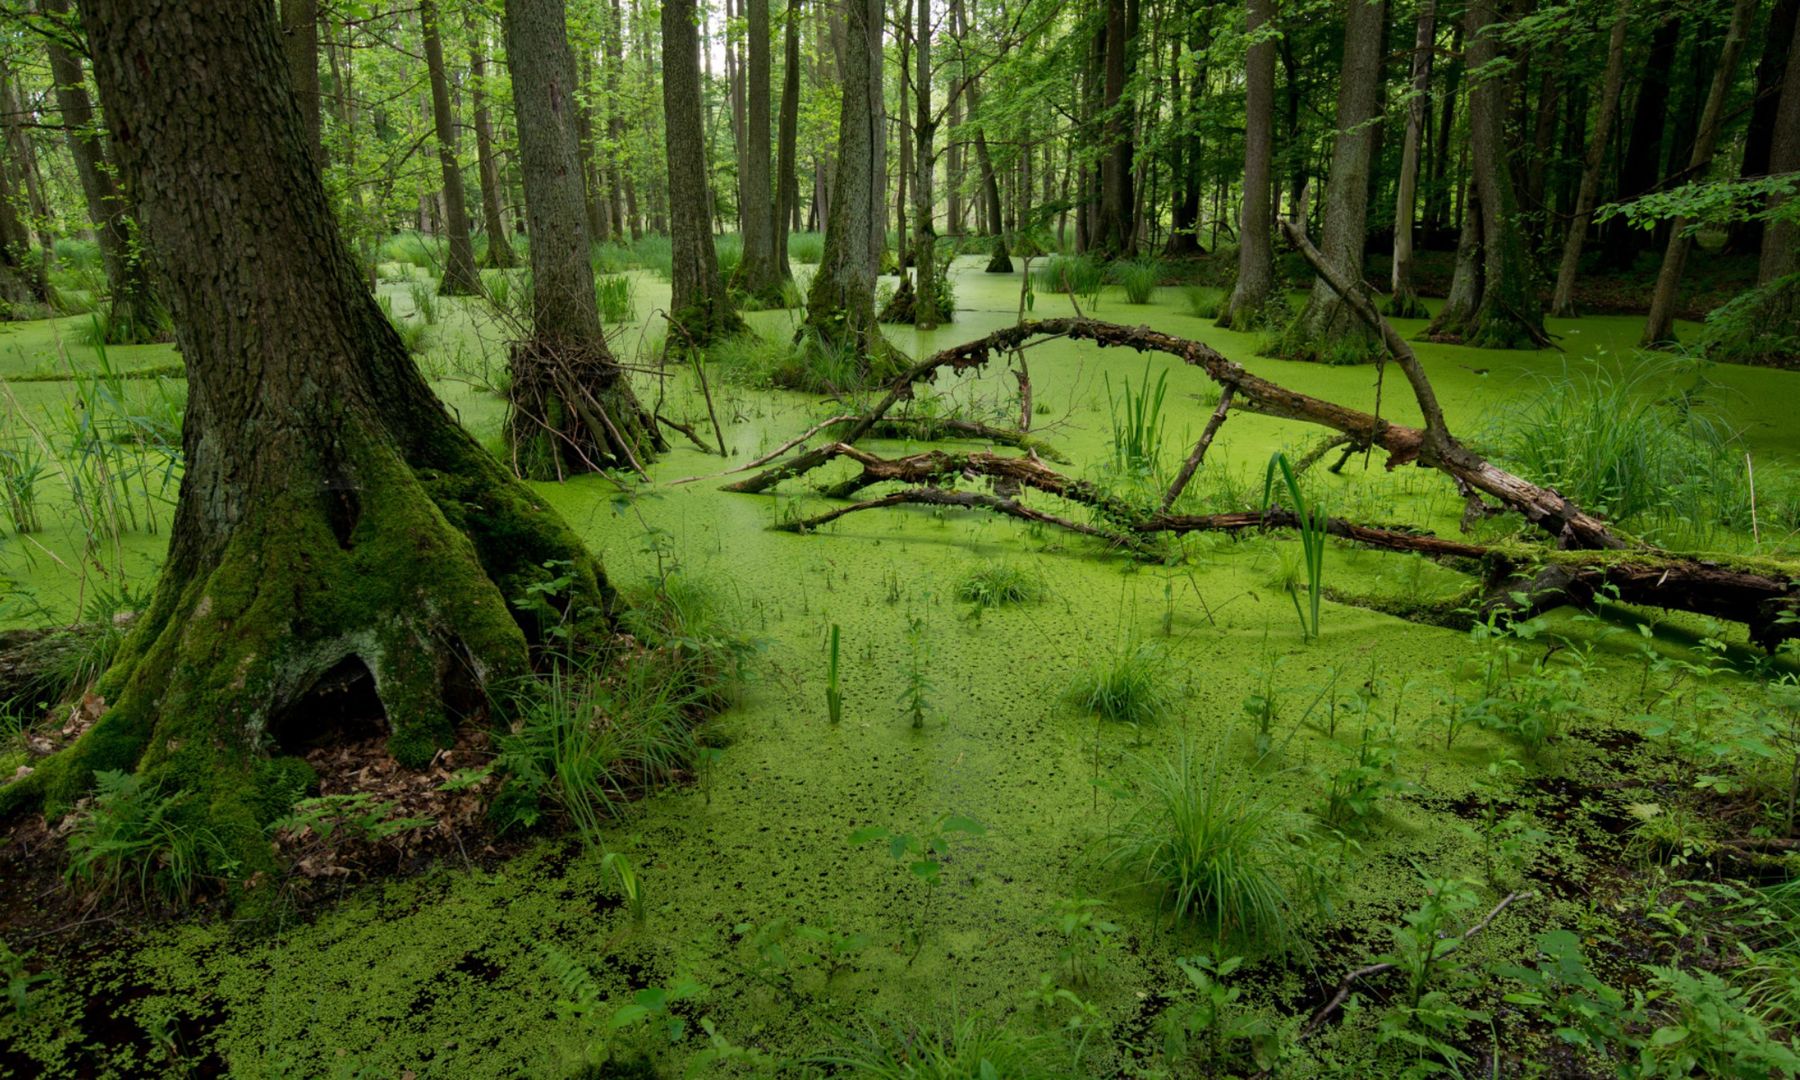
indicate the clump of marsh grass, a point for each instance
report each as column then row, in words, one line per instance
column 1075, row 274
column 997, row 584
column 1138, row 277
column 806, row 247
column 1213, row 850
column 1131, row 686
column 1203, row 301
column 612, row 294
column 424, row 301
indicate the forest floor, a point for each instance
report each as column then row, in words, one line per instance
column 462, row 969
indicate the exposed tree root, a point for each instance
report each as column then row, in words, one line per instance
column 571, row 411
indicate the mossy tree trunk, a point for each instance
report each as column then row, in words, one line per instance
column 134, row 313
column 1404, row 301
column 698, row 303
column 1244, row 310
column 570, row 409
column 331, row 516
column 840, row 307
column 459, row 277
column 1326, row 329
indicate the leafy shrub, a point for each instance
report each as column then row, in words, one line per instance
column 134, row 838
column 1130, row 686
column 1211, row 848
column 997, row 584
column 1711, row 1031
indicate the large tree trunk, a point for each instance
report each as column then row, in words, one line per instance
column 571, row 409
column 300, row 41
column 333, row 520
column 759, row 273
column 1562, row 301
column 135, row 314
column 1327, row 329
column 1659, row 328
column 840, row 308
column 460, row 278
column 926, row 312
column 699, row 306
column 1250, row 297
column 787, row 182
column 1759, row 135
column 1404, row 303
column 499, row 251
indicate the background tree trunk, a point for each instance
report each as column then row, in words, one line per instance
column 460, row 278
column 332, row 518
column 1116, row 220
column 926, row 313
column 500, row 254
column 1659, row 327
column 840, row 309
column 699, row 305
column 787, row 182
column 1327, row 329
column 1404, row 303
column 135, row 314
column 1562, row 302
column 570, row 407
column 760, row 273
column 1781, row 243
column 1250, row 297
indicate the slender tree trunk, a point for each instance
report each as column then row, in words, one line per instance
column 1443, row 183
column 333, row 519
column 1771, row 71
column 1510, row 315
column 1245, row 310
column 1562, row 302
column 699, row 305
column 1465, row 281
column 1404, row 303
column 1781, row 242
column 300, row 40
column 787, row 181
column 1641, row 169
column 1659, row 328
column 1328, row 329
column 499, row 250
column 615, row 122
column 460, row 278
column 760, row 272
column 1116, row 237
column 927, row 312
column 571, row 408
column 592, row 195
column 840, row 309
column 135, row 313
column 19, row 144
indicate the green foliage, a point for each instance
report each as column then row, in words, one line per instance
column 967, row 1048
column 1129, row 687
column 414, row 336
column 1530, row 702
column 1211, row 849
column 916, row 686
column 359, row 815
column 1079, row 275
column 1208, row 1027
column 1353, row 794
column 1710, row 1030
column 1586, row 1013
column 1203, row 301
column 834, row 698
column 1088, row 940
column 22, row 465
column 1638, row 447
column 424, row 301
column 138, row 838
column 1314, row 523
column 1426, row 1017
column 1757, row 326
column 16, row 981
column 923, row 854
column 1137, row 277
column 806, row 247
column 999, row 584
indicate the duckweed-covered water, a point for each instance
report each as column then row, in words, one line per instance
column 445, row 974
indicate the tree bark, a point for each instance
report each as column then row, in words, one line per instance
column 135, row 313
column 1771, row 73
column 1245, row 310
column 460, row 278
column 760, row 272
column 926, row 309
column 1659, row 327
column 1404, row 302
column 1116, row 236
column 300, row 41
column 787, row 182
column 570, row 407
column 1641, row 169
column 332, row 518
column 1326, row 329
column 840, row 310
column 500, row 254
column 1781, row 244
column 699, row 305
column 1562, row 301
